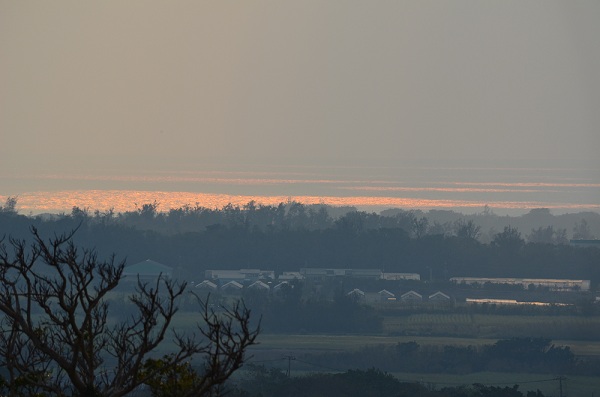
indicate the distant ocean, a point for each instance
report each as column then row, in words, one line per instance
column 463, row 189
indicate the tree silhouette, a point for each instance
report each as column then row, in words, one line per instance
column 57, row 338
column 10, row 206
column 467, row 229
column 509, row 239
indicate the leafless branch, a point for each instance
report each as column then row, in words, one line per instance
column 55, row 336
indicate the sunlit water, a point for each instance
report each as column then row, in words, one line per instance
column 504, row 190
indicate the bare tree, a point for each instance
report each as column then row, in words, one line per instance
column 224, row 333
column 57, row 339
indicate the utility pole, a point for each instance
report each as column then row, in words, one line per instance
column 560, row 385
column 289, row 358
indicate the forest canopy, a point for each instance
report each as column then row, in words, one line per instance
column 287, row 237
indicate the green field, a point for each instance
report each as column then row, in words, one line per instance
column 440, row 330
column 273, row 348
column 494, row 326
column 315, row 343
column 582, row 334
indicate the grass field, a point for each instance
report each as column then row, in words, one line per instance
column 313, row 343
column 494, row 326
column 428, row 329
column 582, row 334
column 272, row 350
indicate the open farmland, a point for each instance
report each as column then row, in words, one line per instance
column 493, row 326
column 273, row 351
column 312, row 343
column 578, row 332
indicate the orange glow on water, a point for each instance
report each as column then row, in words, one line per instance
column 130, row 200
column 366, row 189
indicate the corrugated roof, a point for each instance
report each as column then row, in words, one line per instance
column 147, row 268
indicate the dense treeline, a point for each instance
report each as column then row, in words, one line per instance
column 291, row 236
column 361, row 383
column 528, row 355
column 537, row 226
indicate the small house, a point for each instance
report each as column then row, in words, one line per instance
column 411, row 297
column 207, row 286
column 439, row 297
column 356, row 294
column 283, row 284
column 260, row 286
column 147, row 270
column 386, row 296
column 232, row 287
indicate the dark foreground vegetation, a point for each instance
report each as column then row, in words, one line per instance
column 58, row 337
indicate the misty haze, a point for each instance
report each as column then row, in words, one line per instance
column 299, row 198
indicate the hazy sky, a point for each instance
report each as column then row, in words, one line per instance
column 96, row 86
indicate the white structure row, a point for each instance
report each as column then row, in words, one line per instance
column 234, row 286
column 315, row 274
column 408, row 297
column 511, row 302
column 552, row 284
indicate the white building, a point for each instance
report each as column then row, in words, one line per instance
column 400, row 276
column 386, row 296
column 232, row 287
column 239, row 275
column 323, row 274
column 439, row 297
column 259, row 285
column 206, row 285
column 552, row 284
column 411, row 296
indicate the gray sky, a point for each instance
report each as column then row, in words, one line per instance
column 96, row 86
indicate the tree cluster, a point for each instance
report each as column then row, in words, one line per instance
column 398, row 243
column 540, row 225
